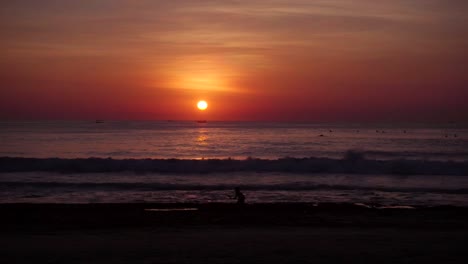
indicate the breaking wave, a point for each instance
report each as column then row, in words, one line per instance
column 352, row 163
column 122, row 186
column 417, row 154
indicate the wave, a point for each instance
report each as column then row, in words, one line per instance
column 218, row 187
column 352, row 163
column 399, row 154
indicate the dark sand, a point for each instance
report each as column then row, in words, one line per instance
column 224, row 233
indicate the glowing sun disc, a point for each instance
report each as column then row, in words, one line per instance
column 202, row 105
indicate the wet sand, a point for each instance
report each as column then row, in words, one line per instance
column 226, row 233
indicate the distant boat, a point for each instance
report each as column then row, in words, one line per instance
column 201, row 121
column 99, row 121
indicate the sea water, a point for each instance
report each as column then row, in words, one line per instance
column 422, row 164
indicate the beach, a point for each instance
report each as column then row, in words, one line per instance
column 228, row 233
column 162, row 192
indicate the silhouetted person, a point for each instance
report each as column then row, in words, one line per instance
column 239, row 196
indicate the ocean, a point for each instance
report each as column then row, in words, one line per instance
column 172, row 161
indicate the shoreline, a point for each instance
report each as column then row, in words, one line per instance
column 17, row 216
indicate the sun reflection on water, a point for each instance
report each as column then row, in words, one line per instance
column 201, row 139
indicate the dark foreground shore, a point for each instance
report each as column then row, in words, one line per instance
column 226, row 233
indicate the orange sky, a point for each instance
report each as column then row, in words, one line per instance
column 303, row 60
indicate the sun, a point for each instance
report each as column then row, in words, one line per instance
column 202, row 105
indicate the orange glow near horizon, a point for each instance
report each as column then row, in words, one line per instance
column 201, row 74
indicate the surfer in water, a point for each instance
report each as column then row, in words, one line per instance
column 239, row 196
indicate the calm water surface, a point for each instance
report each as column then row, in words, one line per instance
column 191, row 140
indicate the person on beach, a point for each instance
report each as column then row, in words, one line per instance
column 239, row 196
